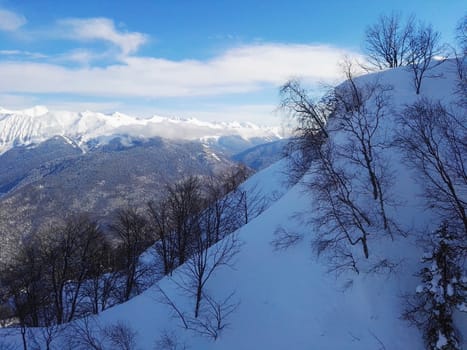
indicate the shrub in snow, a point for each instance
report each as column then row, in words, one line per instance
column 443, row 288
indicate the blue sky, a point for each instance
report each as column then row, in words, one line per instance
column 213, row 60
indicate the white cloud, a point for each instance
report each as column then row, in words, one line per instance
column 262, row 114
column 91, row 29
column 81, row 56
column 10, row 21
column 79, row 106
column 21, row 53
column 238, row 70
column 11, row 101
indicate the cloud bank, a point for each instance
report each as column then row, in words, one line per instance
column 100, row 68
column 237, row 70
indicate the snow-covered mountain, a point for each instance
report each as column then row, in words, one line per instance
column 38, row 124
column 288, row 299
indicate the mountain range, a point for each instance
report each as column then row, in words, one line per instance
column 54, row 164
column 90, row 129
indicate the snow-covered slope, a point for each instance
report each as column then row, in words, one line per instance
column 35, row 125
column 288, row 299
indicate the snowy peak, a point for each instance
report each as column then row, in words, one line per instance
column 34, row 125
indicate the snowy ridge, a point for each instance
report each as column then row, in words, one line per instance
column 38, row 124
column 288, row 299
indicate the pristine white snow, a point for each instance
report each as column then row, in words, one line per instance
column 34, row 125
column 288, row 299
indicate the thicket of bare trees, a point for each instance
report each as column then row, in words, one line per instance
column 392, row 42
column 45, row 284
column 48, row 283
column 221, row 208
column 87, row 333
column 193, row 209
column 387, row 42
column 77, row 267
column 433, row 140
column 343, row 137
column 350, row 181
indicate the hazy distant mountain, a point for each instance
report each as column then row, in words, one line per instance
column 262, row 155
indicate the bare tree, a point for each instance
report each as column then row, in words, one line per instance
column 100, row 289
column 45, row 336
column 163, row 231
column 285, row 239
column 205, row 260
column 60, row 273
column 360, row 112
column 88, row 334
column 173, row 221
column 178, row 312
column 211, row 320
column 460, row 55
column 424, row 46
column 214, row 316
column 251, row 202
column 461, row 33
column 84, row 334
column 309, row 119
column 169, row 341
column 391, row 42
column 134, row 237
column 211, row 241
column 338, row 217
column 350, row 181
column 387, row 42
column 25, row 285
column 184, row 202
column 227, row 207
column 121, row 336
column 434, row 142
column 299, row 153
